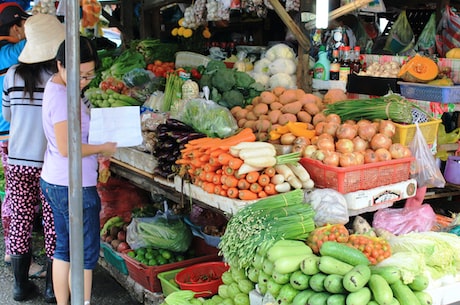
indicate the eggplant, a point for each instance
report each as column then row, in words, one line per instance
column 174, row 124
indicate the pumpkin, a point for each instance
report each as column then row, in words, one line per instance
column 333, row 96
column 419, row 69
column 453, row 53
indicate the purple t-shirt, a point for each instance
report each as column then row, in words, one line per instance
column 54, row 110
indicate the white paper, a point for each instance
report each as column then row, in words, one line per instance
column 118, row 124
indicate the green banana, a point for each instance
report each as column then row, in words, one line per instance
column 111, row 222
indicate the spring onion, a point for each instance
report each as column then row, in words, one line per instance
column 393, row 107
column 257, row 226
column 289, row 158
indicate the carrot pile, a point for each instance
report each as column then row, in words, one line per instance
column 91, row 12
column 208, row 164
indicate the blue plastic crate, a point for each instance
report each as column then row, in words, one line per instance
column 113, row 258
column 424, row 92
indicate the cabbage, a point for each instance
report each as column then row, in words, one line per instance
column 410, row 264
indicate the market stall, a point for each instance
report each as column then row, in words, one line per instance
column 233, row 135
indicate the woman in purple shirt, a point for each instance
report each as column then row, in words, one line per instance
column 55, row 175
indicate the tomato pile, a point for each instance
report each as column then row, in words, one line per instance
column 336, row 232
column 114, row 84
column 376, row 249
column 161, row 68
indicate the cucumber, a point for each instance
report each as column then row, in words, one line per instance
column 268, row 267
column 302, row 297
column 288, row 264
column 279, row 249
column 309, row 265
column 317, row 282
column 319, row 298
column 359, row 297
column 419, row 283
column 380, row 289
column 395, row 301
column 330, row 265
column 334, row 283
column 281, row 278
column 356, row 278
column 389, row 273
column 372, row 302
column 424, row 297
column 404, row 294
column 344, row 253
column 299, row 280
column 336, row 299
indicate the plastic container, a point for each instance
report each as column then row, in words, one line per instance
column 147, row 276
column 168, row 281
column 452, row 170
column 204, row 278
column 322, row 67
column 443, row 94
column 405, row 132
column 360, row 177
column 113, row 258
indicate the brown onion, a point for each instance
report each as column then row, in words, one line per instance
column 333, row 117
column 346, row 131
column 383, row 154
column 326, row 144
column 367, row 131
column 380, row 140
column 330, row 128
column 387, row 127
column 397, row 150
column 348, row 159
column 360, row 144
column 344, row 146
column 370, row 157
column 331, row 158
column 319, row 128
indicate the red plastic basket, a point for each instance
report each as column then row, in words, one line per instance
column 147, row 276
column 360, row 177
column 195, row 278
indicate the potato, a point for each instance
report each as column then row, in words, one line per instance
column 361, row 226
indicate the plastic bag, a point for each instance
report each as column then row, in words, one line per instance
column 208, row 117
column 142, row 83
column 448, row 31
column 404, row 220
column 426, row 172
column 401, row 37
column 426, row 43
column 329, row 205
column 164, row 231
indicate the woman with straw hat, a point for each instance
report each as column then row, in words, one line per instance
column 22, row 106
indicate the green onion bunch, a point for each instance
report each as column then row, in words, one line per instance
column 257, row 226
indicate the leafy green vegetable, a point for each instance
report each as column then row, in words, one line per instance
column 127, row 61
column 224, row 79
column 205, row 80
column 243, row 80
column 137, row 77
column 232, row 98
column 154, row 49
column 214, row 65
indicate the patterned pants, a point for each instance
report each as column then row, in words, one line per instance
column 25, row 194
column 6, row 206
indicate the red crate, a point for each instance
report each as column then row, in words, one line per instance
column 147, row 276
column 360, row 177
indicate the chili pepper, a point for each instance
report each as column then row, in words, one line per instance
column 195, row 74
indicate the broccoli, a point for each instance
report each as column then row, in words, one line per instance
column 224, row 79
column 232, row 98
column 243, row 80
column 214, row 65
column 205, row 80
column 215, row 95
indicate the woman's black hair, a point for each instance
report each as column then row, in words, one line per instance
column 29, row 72
column 5, row 29
column 88, row 52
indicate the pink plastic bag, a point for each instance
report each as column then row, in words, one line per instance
column 408, row 219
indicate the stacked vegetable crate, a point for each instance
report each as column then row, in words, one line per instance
column 147, row 276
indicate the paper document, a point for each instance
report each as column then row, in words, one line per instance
column 117, row 124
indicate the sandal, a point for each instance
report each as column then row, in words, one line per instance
column 39, row 274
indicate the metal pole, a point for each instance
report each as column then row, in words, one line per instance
column 74, row 135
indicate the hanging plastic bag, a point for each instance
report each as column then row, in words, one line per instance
column 427, row 173
column 448, row 31
column 426, row 43
column 401, row 37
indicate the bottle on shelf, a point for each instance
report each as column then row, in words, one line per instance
column 322, row 66
column 334, row 66
column 345, row 64
column 356, row 61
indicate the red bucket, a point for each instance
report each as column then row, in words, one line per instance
column 203, row 278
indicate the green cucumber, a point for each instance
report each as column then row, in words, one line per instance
column 319, row 298
column 404, row 294
column 356, row 278
column 381, row 290
column 309, row 265
column 424, row 297
column 336, row 299
column 288, row 264
column 344, row 253
column 302, row 297
column 419, row 283
column 359, row 297
column 317, row 282
column 389, row 273
column 372, row 302
column 299, row 280
column 330, row 265
column 281, row 278
column 279, row 249
column 334, row 283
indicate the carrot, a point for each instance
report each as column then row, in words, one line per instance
column 231, row 181
column 202, row 175
column 196, row 163
column 223, row 179
column 238, row 175
column 270, row 171
column 263, row 180
column 210, row 168
column 209, row 176
column 216, row 179
column 243, row 184
column 213, row 161
column 256, row 187
column 262, row 194
column 235, row 163
column 208, row 187
column 204, row 158
column 224, row 158
column 217, row 152
column 245, row 135
column 252, row 177
column 247, row 195
column 232, row 192
column 229, row 171
column 217, row 189
column 270, row 189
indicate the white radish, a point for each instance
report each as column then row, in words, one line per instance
column 257, row 153
column 262, row 161
column 283, row 187
column 284, row 170
column 277, row 179
column 300, row 171
column 246, row 168
column 294, row 182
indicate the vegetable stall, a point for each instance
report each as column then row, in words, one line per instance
column 247, row 167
